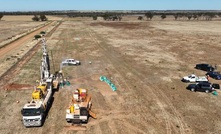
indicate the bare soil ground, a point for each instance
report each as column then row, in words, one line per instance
column 144, row 59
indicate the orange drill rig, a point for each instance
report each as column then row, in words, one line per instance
column 80, row 107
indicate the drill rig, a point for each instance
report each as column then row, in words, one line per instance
column 34, row 112
column 80, row 107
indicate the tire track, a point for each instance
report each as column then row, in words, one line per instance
column 158, row 93
column 168, row 127
column 92, row 35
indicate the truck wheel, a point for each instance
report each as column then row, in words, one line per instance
column 86, row 121
column 207, row 91
column 41, row 124
column 192, row 89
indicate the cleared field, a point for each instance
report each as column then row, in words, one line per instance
column 145, row 60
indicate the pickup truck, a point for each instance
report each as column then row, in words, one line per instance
column 203, row 87
column 194, row 78
column 71, row 62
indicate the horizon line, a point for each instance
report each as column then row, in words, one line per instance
column 115, row 10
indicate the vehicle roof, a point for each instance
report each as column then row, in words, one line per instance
column 204, row 83
column 33, row 105
column 216, row 73
column 70, row 59
column 202, row 64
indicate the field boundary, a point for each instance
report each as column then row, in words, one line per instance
column 8, row 41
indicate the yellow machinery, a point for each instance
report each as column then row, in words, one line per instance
column 39, row 92
column 34, row 112
column 80, row 108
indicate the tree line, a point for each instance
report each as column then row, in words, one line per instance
column 184, row 15
column 113, row 15
column 41, row 17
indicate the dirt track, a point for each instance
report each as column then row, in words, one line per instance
column 21, row 41
column 145, row 60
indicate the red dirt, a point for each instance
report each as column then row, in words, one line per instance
column 14, row 86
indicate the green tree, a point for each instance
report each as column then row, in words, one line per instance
column 119, row 18
column 149, row 15
column 106, row 16
column 180, row 16
column 94, row 17
column 163, row 16
column 212, row 15
column 1, row 15
column 209, row 16
column 140, row 18
column 43, row 17
column 189, row 16
column 195, row 17
column 115, row 18
column 35, row 18
column 175, row 16
column 37, row 36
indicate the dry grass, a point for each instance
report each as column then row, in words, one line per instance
column 145, row 60
column 25, row 18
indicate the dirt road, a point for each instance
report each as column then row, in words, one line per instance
column 21, row 41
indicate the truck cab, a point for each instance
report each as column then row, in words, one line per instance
column 33, row 114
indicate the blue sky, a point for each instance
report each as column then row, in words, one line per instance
column 39, row 5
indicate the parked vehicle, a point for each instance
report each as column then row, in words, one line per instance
column 205, row 67
column 34, row 112
column 202, row 86
column 214, row 75
column 216, row 86
column 71, row 62
column 194, row 78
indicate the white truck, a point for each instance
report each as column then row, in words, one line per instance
column 34, row 112
column 194, row 78
column 71, row 62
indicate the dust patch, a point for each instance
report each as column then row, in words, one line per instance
column 14, row 86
